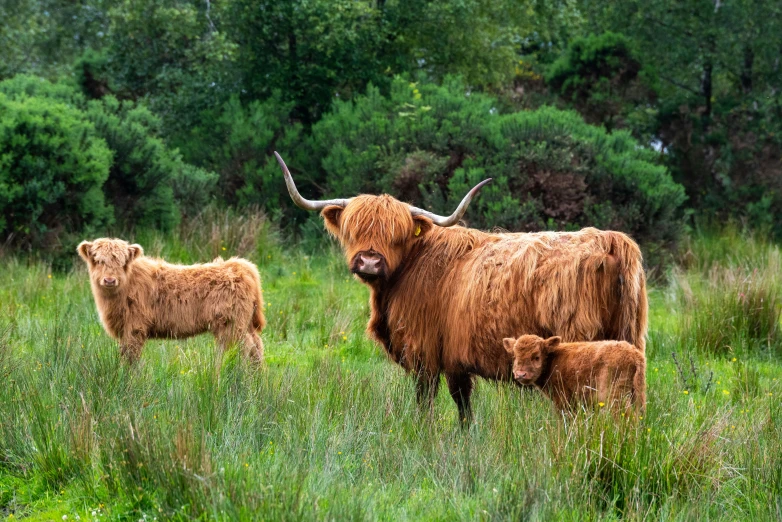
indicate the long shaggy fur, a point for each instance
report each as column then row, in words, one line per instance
column 450, row 295
column 140, row 298
column 572, row 374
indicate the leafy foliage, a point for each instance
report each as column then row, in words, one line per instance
column 143, row 176
column 720, row 106
column 603, row 78
column 430, row 144
column 52, row 167
column 238, row 143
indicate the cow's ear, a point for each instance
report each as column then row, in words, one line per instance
column 332, row 216
column 84, row 251
column 508, row 343
column 421, row 225
column 134, row 251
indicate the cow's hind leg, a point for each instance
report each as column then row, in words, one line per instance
column 426, row 389
column 460, row 385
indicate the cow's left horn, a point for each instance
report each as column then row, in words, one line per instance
column 458, row 213
column 306, row 204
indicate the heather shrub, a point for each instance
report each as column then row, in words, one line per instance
column 53, row 165
column 428, row 144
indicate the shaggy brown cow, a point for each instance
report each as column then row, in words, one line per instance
column 442, row 296
column 140, row 298
column 611, row 373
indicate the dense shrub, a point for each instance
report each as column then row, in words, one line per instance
column 237, row 143
column 428, row 144
column 52, row 167
column 145, row 172
column 146, row 181
column 604, row 79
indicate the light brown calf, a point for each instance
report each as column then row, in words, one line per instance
column 140, row 298
column 609, row 372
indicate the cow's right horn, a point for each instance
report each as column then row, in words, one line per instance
column 297, row 198
column 457, row 214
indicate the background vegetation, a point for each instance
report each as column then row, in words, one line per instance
column 415, row 98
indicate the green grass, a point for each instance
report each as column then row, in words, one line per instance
column 329, row 429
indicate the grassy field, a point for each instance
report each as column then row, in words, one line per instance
column 329, row 429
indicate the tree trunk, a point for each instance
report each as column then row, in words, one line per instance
column 746, row 71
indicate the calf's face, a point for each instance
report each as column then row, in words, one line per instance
column 376, row 233
column 108, row 261
column 529, row 354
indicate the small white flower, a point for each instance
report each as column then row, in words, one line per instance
column 65, row 517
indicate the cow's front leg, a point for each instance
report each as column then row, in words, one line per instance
column 426, row 389
column 460, row 385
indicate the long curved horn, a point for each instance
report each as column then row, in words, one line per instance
column 458, row 213
column 297, row 198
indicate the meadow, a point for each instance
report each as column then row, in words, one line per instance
column 328, row 429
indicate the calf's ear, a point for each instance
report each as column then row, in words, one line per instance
column 332, row 216
column 552, row 342
column 421, row 225
column 134, row 251
column 84, row 251
column 508, row 343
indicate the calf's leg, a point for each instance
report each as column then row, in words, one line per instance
column 253, row 347
column 131, row 344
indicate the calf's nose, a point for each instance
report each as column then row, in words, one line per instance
column 109, row 280
column 520, row 375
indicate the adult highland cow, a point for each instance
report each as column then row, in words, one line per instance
column 443, row 297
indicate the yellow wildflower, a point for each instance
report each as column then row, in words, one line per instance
column 686, row 392
column 601, row 404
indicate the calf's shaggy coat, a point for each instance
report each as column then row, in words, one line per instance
column 140, row 298
column 609, row 372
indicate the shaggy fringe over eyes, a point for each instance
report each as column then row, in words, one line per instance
column 114, row 252
column 377, row 221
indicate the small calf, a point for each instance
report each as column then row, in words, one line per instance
column 140, row 298
column 609, row 373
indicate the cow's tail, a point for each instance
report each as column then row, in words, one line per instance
column 631, row 320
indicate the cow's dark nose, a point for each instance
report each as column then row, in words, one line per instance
column 369, row 264
column 109, row 281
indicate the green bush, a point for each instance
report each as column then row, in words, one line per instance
column 236, row 141
column 147, row 182
column 53, row 165
column 141, row 183
column 604, row 79
column 428, row 144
